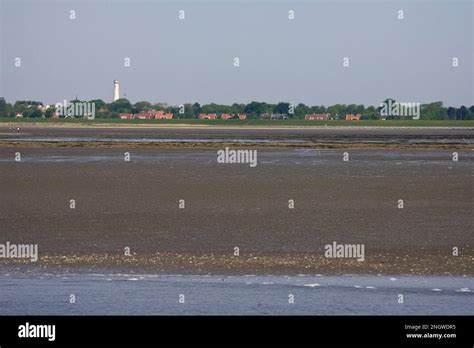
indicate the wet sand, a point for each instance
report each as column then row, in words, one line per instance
column 135, row 204
column 212, row 136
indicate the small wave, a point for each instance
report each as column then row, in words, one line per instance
column 464, row 290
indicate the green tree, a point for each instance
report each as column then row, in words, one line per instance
column 360, row 109
column 9, row 111
column 255, row 108
column 99, row 103
column 196, row 108
column 34, row 113
column 19, row 107
column 451, row 113
column 121, row 105
column 142, row 106
column 301, row 110
column 433, row 111
column 188, row 111
column 338, row 110
column 3, row 106
column 471, row 112
column 216, row 109
column 49, row 113
column 371, row 113
column 237, row 108
column 161, row 106
column 282, row 108
column 461, row 113
column 350, row 109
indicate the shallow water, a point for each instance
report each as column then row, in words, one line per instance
column 135, row 294
column 340, row 135
column 302, row 157
column 151, row 140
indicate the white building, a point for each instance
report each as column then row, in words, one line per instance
column 116, row 90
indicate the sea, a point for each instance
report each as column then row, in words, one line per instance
column 174, row 294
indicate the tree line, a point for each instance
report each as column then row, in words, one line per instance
column 254, row 109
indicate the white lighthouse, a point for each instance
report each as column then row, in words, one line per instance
column 116, row 90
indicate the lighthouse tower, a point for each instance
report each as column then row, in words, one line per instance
column 116, row 90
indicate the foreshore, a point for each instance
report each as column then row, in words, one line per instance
column 401, row 262
column 279, row 125
column 135, row 204
column 217, row 136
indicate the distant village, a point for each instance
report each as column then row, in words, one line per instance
column 38, row 110
column 161, row 115
column 122, row 108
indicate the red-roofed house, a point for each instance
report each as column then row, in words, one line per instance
column 43, row 107
column 242, row 116
column 141, row 116
column 126, row 116
column 207, row 116
column 226, row 116
column 352, row 117
column 314, row 117
column 160, row 115
column 146, row 115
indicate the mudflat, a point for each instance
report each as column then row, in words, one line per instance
column 212, row 136
column 136, row 204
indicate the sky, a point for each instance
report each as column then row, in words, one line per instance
column 296, row 60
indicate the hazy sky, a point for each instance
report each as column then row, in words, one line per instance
column 177, row 61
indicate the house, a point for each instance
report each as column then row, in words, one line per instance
column 19, row 115
column 145, row 115
column 207, row 116
column 352, row 117
column 142, row 116
column 233, row 116
column 316, row 117
column 160, row 115
column 43, row 108
column 272, row 116
column 126, row 116
column 226, row 116
column 279, row 116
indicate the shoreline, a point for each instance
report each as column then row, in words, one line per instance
column 425, row 263
column 107, row 125
column 218, row 145
column 213, row 136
